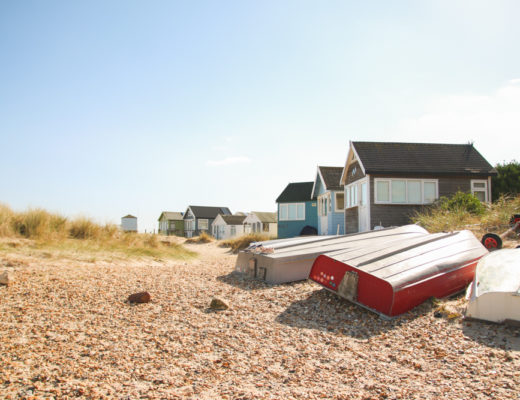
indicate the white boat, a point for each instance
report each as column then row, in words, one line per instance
column 494, row 294
column 290, row 260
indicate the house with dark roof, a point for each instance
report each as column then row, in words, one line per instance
column 264, row 222
column 171, row 223
column 329, row 193
column 386, row 183
column 228, row 226
column 297, row 211
column 198, row 219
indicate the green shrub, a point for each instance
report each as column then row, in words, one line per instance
column 462, row 202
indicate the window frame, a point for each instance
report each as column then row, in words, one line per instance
column 484, row 189
column 200, row 228
column 336, row 208
column 406, row 180
column 286, row 206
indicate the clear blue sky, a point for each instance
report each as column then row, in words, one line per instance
column 116, row 107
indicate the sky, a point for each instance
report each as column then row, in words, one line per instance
column 110, row 108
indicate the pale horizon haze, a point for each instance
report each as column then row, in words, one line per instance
column 110, row 108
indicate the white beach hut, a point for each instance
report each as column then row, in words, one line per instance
column 129, row 223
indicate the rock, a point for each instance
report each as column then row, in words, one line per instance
column 5, row 278
column 218, row 304
column 141, row 297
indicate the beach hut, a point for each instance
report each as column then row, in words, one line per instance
column 129, row 223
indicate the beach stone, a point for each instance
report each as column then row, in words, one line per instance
column 141, row 297
column 218, row 304
column 5, row 278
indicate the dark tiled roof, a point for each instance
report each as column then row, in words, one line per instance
column 332, row 177
column 209, row 212
column 171, row 215
column 422, row 158
column 129, row 216
column 265, row 217
column 233, row 219
column 298, row 191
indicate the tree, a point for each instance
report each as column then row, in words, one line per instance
column 507, row 182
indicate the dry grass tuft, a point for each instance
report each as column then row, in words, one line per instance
column 494, row 219
column 81, row 235
column 202, row 238
column 242, row 242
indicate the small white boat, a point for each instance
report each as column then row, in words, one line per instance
column 494, row 294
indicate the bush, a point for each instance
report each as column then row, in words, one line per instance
column 507, row 182
column 462, row 202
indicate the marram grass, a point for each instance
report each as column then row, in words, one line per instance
column 41, row 231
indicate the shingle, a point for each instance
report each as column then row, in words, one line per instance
column 297, row 191
column 422, row 158
column 233, row 219
column 332, row 177
column 209, row 212
column 265, row 217
column 171, row 215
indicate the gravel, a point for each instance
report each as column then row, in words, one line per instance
column 66, row 331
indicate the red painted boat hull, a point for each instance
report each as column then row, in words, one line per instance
column 389, row 296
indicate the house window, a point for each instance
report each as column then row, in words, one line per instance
column 479, row 189
column 382, row 191
column 233, row 230
column 265, row 227
column 203, row 224
column 339, row 203
column 292, row 212
column 364, row 196
column 351, row 195
column 405, row 191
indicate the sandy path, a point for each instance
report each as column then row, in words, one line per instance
column 66, row 332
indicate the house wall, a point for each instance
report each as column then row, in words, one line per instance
column 176, row 228
column 401, row 214
column 351, row 220
column 196, row 231
column 352, row 175
column 333, row 218
column 188, row 217
column 287, row 229
column 171, row 227
column 221, row 231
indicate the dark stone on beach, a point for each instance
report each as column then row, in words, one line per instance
column 141, row 297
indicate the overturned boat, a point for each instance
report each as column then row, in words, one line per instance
column 494, row 294
column 289, row 260
column 393, row 275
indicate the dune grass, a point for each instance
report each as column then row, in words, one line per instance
column 242, row 242
column 204, row 237
column 44, row 231
column 494, row 218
